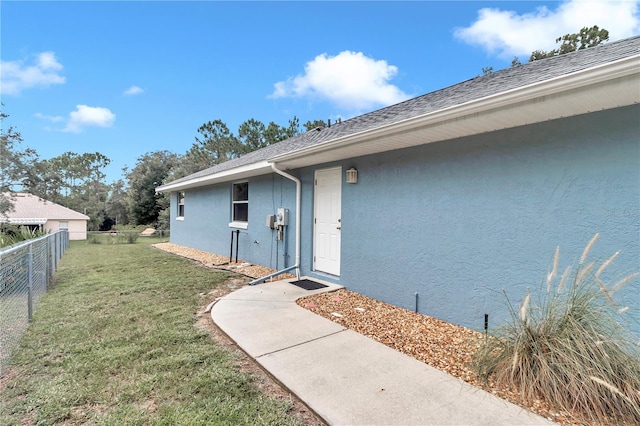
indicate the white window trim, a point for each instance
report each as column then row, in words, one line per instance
column 241, row 225
column 183, row 205
column 237, row 223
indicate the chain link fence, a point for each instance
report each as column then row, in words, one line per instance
column 26, row 270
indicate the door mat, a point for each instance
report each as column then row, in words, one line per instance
column 308, row 284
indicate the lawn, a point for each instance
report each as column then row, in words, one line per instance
column 114, row 342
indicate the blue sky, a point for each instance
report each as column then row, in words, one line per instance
column 125, row 78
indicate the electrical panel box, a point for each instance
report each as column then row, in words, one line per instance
column 282, row 217
column 271, row 221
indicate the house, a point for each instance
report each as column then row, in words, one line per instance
column 441, row 202
column 29, row 210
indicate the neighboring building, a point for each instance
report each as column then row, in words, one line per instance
column 32, row 211
column 460, row 193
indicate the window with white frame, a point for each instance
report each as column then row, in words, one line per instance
column 240, row 202
column 180, row 204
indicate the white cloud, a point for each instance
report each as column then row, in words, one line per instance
column 350, row 80
column 51, row 118
column 16, row 76
column 508, row 34
column 86, row 116
column 133, row 90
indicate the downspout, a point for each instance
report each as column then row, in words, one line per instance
column 298, row 227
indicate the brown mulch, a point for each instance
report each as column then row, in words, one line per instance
column 445, row 346
column 221, row 262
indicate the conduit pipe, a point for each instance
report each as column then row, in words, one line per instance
column 298, row 227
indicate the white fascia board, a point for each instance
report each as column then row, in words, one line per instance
column 556, row 86
column 241, row 172
column 24, row 220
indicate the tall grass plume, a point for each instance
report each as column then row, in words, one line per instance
column 571, row 347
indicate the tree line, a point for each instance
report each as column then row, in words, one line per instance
column 77, row 181
column 583, row 39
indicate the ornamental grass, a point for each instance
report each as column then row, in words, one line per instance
column 12, row 234
column 570, row 346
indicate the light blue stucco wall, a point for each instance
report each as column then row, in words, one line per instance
column 208, row 214
column 458, row 221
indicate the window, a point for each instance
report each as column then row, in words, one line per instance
column 180, row 204
column 240, row 202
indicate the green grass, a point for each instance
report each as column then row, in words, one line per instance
column 114, row 343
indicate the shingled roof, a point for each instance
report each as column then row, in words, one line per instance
column 31, row 210
column 499, row 83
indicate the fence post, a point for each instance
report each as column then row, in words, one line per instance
column 55, row 251
column 49, row 272
column 30, row 283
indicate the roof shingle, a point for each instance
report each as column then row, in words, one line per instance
column 466, row 91
column 28, row 206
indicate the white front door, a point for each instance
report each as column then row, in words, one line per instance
column 327, row 220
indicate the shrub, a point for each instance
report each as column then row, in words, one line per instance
column 93, row 239
column 571, row 347
column 130, row 227
column 124, row 237
column 131, row 237
column 12, row 234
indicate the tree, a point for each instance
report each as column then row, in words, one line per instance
column 93, row 178
column 150, row 171
column 275, row 133
column 487, row 70
column 14, row 163
column 586, row 37
column 75, row 181
column 251, row 134
column 72, row 180
column 44, row 181
column 310, row 125
column 217, row 145
column 116, row 206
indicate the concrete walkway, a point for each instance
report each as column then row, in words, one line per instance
column 345, row 377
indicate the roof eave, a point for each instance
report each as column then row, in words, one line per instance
column 606, row 86
column 506, row 109
column 241, row 172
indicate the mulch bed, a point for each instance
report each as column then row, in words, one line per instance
column 221, row 262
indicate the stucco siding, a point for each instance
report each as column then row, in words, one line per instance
column 207, row 215
column 458, row 222
column 77, row 228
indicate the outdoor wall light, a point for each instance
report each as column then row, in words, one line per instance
column 352, row 175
